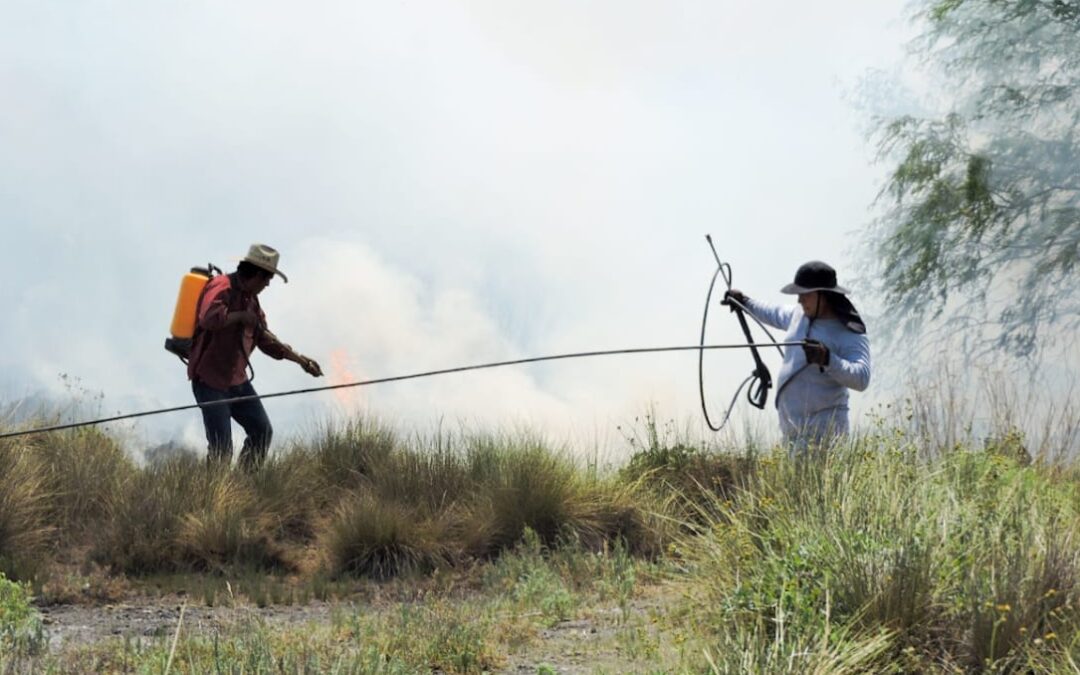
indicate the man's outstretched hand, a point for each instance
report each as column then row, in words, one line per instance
column 310, row 366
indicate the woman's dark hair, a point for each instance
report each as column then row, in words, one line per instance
column 845, row 311
column 247, row 270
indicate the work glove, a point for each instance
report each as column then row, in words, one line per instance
column 816, row 352
column 733, row 294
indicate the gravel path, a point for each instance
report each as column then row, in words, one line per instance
column 74, row 625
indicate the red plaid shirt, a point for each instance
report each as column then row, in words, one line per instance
column 219, row 355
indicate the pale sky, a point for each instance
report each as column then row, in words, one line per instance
column 448, row 183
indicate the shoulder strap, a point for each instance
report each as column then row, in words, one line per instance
column 202, row 294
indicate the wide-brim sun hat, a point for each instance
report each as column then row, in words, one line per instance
column 265, row 257
column 814, row 276
column 818, row 276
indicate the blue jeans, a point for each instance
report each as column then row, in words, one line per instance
column 218, row 422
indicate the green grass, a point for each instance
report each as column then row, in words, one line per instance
column 970, row 561
column 888, row 553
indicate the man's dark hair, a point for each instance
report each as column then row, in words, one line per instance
column 247, row 270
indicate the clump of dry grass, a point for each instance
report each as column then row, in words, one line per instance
column 83, row 469
column 226, row 527
column 345, row 455
column 524, row 484
column 357, row 496
column 476, row 497
column 24, row 508
column 182, row 515
column 381, row 538
column 292, row 496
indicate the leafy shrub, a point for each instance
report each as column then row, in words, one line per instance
column 21, row 630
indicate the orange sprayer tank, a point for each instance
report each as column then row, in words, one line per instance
column 187, row 303
column 191, row 287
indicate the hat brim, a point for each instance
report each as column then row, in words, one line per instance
column 795, row 289
column 263, row 266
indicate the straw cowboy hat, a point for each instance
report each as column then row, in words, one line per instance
column 265, row 257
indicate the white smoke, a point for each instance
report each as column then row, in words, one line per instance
column 448, row 183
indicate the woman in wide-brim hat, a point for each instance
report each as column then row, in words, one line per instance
column 813, row 384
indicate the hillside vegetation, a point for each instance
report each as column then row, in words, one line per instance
column 888, row 553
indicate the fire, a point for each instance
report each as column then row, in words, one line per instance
column 341, row 374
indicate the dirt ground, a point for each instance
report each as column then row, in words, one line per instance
column 583, row 645
column 76, row 625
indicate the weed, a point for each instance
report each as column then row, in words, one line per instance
column 21, row 630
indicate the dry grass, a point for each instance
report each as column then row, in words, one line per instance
column 25, row 503
column 356, row 498
column 83, row 470
column 876, row 556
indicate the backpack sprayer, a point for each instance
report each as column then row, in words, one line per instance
column 186, row 313
column 193, row 286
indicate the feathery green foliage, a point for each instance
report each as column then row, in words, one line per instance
column 983, row 206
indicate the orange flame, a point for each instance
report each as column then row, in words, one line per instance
column 340, row 374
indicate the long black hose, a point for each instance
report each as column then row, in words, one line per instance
column 760, row 380
column 364, row 383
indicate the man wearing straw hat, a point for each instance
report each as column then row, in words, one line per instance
column 813, row 384
column 230, row 325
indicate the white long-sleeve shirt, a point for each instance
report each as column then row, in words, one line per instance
column 813, row 401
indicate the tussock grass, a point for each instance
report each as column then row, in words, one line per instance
column 182, row 515
column 344, row 455
column 83, row 470
column 291, row 496
column 359, row 501
column 470, row 497
column 25, row 503
column 380, row 538
column 528, row 485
